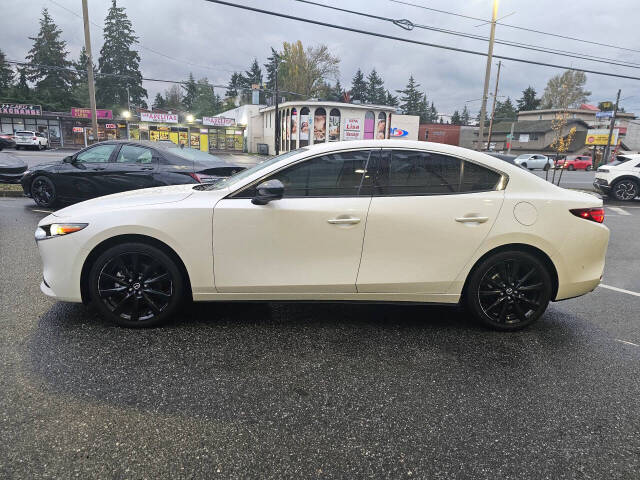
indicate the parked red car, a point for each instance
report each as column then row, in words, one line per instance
column 575, row 162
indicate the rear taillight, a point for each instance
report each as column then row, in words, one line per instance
column 593, row 214
column 34, row 138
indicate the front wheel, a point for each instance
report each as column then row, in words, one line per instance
column 571, row 168
column 625, row 190
column 523, row 164
column 588, row 168
column 43, row 191
column 136, row 285
column 509, row 290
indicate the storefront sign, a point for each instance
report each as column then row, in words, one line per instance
column 352, row 129
column 607, row 114
column 78, row 129
column 523, row 138
column 218, row 121
column 398, row 132
column 20, row 109
column 159, row 117
column 404, row 127
column 601, row 137
column 86, row 113
column 110, row 125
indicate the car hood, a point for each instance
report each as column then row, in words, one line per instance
column 11, row 162
column 132, row 198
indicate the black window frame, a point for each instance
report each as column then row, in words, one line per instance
column 374, row 154
column 501, row 184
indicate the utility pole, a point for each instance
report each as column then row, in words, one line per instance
column 493, row 109
column 92, row 87
column 487, row 75
column 276, row 135
column 511, row 138
column 607, row 150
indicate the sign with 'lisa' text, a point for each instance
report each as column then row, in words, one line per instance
column 352, row 129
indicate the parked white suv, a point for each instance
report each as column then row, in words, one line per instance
column 28, row 138
column 534, row 160
column 620, row 179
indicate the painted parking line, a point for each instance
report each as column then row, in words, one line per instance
column 41, row 211
column 621, row 290
column 619, row 210
column 626, row 342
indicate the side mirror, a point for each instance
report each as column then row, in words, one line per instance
column 268, row 191
column 68, row 159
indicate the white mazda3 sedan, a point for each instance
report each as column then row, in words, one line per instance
column 369, row 221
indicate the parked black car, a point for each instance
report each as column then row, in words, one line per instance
column 121, row 165
column 11, row 169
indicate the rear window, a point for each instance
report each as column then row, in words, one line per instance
column 24, row 134
column 619, row 159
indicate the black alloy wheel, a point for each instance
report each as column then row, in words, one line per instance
column 625, row 190
column 509, row 291
column 571, row 168
column 136, row 285
column 43, row 191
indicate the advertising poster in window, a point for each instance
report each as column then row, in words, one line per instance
column 381, row 128
column 334, row 128
column 352, row 129
column 319, row 126
column 294, row 125
column 304, row 127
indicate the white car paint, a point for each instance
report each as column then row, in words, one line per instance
column 608, row 175
column 29, row 138
column 400, row 249
column 533, row 160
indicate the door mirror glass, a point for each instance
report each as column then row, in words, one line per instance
column 268, row 191
column 68, row 159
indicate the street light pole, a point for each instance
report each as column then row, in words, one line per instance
column 487, row 75
column 92, row 87
column 607, row 150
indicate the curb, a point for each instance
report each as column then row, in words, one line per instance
column 11, row 193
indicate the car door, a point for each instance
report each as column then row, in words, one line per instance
column 429, row 213
column 84, row 176
column 310, row 241
column 537, row 161
column 133, row 168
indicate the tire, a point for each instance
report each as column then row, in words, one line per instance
column 512, row 304
column 625, row 190
column 43, row 191
column 523, row 164
column 17, row 147
column 571, row 168
column 133, row 302
column 588, row 168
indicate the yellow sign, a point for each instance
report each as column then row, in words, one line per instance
column 601, row 137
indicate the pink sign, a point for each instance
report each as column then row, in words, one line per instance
column 86, row 113
column 158, row 117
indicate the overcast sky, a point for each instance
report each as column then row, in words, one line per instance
column 214, row 40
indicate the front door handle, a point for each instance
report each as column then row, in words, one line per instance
column 472, row 219
column 344, row 221
column 98, row 169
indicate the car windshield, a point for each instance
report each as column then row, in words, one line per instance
column 232, row 180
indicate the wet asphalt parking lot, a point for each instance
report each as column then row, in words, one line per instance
column 318, row 390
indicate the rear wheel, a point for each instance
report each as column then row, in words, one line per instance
column 588, row 168
column 509, row 290
column 625, row 190
column 43, row 191
column 136, row 285
column 571, row 168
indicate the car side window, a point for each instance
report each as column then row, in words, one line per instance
column 412, row 172
column 134, row 154
column 476, row 178
column 97, row 154
column 336, row 175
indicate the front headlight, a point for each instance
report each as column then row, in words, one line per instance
column 58, row 229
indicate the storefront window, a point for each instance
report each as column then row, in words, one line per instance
column 381, row 129
column 320, row 126
column 304, row 127
column 294, row 128
column 334, row 125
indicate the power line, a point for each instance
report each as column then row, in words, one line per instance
column 516, row 26
column 409, row 25
column 417, row 42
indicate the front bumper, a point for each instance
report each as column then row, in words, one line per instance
column 11, row 177
column 601, row 185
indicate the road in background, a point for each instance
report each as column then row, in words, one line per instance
column 274, row 390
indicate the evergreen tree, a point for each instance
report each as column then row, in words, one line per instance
column 253, row 76
column 528, row 101
column 423, row 110
column 336, row 92
column 159, row 102
column 119, row 64
column 234, row 87
column 81, row 66
column 375, row 92
column 455, row 118
column 190, row 91
column 465, row 116
column 358, row 87
column 271, row 66
column 433, row 114
column 206, row 102
column 391, row 100
column 80, row 89
column 505, row 111
column 21, row 91
column 52, row 85
column 173, row 98
column 6, row 75
column 410, row 98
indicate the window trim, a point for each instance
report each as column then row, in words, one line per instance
column 233, row 195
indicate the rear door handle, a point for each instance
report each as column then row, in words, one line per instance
column 472, row 219
column 344, row 221
column 98, row 169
